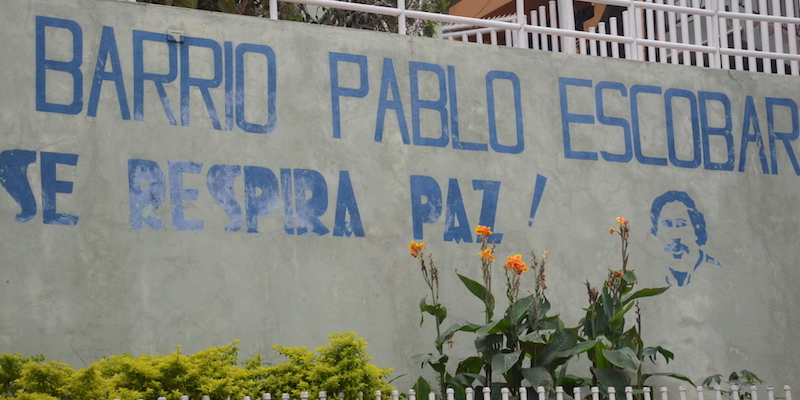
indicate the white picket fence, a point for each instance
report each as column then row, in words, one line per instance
column 735, row 393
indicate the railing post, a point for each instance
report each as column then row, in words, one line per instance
column 522, row 35
column 634, row 22
column 401, row 19
column 273, row 9
column 716, row 28
column 566, row 20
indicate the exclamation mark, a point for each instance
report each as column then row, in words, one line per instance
column 537, row 196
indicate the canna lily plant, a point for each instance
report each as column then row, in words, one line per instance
column 529, row 347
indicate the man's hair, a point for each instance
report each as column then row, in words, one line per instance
column 695, row 216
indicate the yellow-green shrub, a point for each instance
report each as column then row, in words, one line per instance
column 341, row 366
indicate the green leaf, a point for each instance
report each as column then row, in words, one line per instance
column 620, row 315
column 671, row 375
column 648, row 292
column 494, row 327
column 185, row 3
column 599, row 359
column 612, row 377
column 624, row 358
column 437, row 310
column 521, row 308
column 538, row 376
column 430, row 358
column 564, row 341
column 584, row 346
column 489, row 345
column 470, row 365
column 422, row 387
column 227, row 6
column 629, row 276
column 474, row 287
column 651, row 352
column 712, row 380
column 463, row 380
column 456, row 327
column 539, row 337
column 502, row 362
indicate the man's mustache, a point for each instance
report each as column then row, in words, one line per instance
column 676, row 246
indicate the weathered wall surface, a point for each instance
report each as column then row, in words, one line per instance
column 261, row 180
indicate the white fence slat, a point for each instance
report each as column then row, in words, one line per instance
column 553, row 24
column 684, row 19
column 543, row 22
column 722, row 34
column 504, row 392
column 791, row 35
column 762, row 8
column 673, row 33
column 736, row 392
column 534, row 35
column 750, row 36
column 778, row 36
column 737, row 41
column 664, row 395
column 603, row 49
column 662, row 32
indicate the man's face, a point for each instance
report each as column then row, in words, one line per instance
column 675, row 230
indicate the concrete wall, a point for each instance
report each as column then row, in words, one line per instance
column 261, row 180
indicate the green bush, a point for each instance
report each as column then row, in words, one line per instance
column 341, row 366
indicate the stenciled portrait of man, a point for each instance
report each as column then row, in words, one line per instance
column 681, row 231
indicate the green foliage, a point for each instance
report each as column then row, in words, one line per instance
column 11, row 370
column 326, row 16
column 743, row 380
column 530, row 347
column 342, row 366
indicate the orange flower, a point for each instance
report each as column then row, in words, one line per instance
column 416, row 248
column 487, row 255
column 483, row 230
column 612, row 230
column 516, row 264
column 622, row 221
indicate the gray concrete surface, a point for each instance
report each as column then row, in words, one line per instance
column 129, row 226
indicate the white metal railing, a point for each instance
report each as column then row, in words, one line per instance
column 752, row 35
column 690, row 32
column 735, row 393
